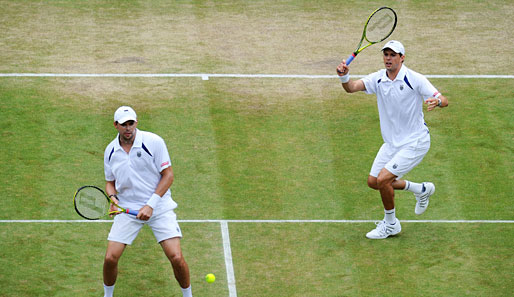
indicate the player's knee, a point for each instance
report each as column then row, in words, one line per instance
column 383, row 182
column 372, row 182
column 176, row 258
column 111, row 259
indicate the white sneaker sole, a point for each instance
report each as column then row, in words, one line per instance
column 370, row 234
column 384, row 237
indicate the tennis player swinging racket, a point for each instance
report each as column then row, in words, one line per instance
column 401, row 93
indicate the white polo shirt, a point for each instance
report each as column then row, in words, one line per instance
column 400, row 104
column 137, row 173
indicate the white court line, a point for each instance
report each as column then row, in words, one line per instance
column 231, row 279
column 206, row 76
column 280, row 221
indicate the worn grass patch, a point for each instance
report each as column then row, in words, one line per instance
column 299, row 37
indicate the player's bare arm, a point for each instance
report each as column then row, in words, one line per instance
column 440, row 101
column 167, row 178
column 110, row 189
column 164, row 184
column 350, row 86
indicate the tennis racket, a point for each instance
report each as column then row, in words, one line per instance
column 379, row 26
column 92, row 203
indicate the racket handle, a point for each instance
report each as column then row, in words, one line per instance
column 350, row 58
column 132, row 212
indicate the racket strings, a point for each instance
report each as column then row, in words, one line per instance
column 380, row 25
column 91, row 203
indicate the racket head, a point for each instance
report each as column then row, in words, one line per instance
column 380, row 24
column 91, row 202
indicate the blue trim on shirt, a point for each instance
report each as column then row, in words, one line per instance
column 407, row 82
column 145, row 149
column 110, row 155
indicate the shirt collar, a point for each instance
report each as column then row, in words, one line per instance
column 401, row 74
column 138, row 142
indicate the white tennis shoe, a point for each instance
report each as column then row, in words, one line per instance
column 384, row 230
column 423, row 199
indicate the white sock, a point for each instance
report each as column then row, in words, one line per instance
column 390, row 216
column 108, row 290
column 187, row 292
column 413, row 187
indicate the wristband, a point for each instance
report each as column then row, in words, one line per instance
column 152, row 202
column 439, row 102
column 114, row 195
column 345, row 78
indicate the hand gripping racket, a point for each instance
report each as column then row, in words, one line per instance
column 92, row 203
column 379, row 26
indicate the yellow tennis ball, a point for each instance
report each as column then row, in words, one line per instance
column 210, row 278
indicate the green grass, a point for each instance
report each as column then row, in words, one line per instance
column 254, row 148
column 66, row 259
column 263, row 155
column 335, row 260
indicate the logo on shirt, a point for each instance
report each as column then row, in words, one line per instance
column 395, row 166
column 165, row 163
column 401, row 88
column 139, row 154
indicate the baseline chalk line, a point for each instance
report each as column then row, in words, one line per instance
column 206, row 76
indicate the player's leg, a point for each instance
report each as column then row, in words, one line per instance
column 171, row 248
column 422, row 191
column 168, row 234
column 398, row 184
column 124, row 230
column 112, row 257
column 384, row 181
column 403, row 162
column 372, row 182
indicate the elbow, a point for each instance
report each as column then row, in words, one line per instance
column 348, row 89
column 170, row 178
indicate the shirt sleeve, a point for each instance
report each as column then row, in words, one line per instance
column 426, row 89
column 371, row 82
column 162, row 157
column 109, row 175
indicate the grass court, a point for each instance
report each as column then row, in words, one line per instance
column 255, row 153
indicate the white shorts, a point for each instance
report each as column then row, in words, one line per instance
column 126, row 227
column 399, row 161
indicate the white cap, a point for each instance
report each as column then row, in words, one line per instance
column 395, row 46
column 125, row 113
